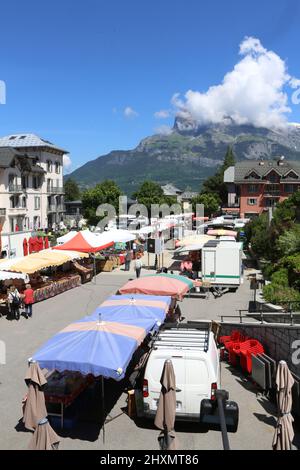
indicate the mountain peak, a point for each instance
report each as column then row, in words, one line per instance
column 190, row 154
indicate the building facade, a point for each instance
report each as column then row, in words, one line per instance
column 31, row 183
column 256, row 186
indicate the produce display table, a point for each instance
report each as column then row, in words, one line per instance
column 57, row 287
column 63, row 389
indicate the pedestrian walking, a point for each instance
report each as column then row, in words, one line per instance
column 134, row 249
column 138, row 267
column 127, row 261
column 14, row 301
column 28, row 300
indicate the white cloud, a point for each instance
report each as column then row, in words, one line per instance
column 163, row 114
column 164, row 130
column 130, row 112
column 67, row 162
column 254, row 92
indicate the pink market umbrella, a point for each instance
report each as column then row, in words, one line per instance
column 165, row 285
column 222, row 233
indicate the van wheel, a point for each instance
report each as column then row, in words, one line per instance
column 232, row 428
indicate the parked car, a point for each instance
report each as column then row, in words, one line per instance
column 195, row 357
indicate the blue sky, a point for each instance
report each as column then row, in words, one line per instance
column 72, row 68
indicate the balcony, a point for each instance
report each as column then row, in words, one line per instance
column 2, row 212
column 61, row 208
column 17, row 210
column 235, row 205
column 275, row 194
column 57, row 190
column 51, row 208
column 15, row 188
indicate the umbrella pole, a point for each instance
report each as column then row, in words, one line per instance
column 103, row 408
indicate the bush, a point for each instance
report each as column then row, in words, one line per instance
column 280, row 278
column 268, row 270
column 280, row 295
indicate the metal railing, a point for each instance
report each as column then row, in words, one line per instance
column 56, row 190
column 15, row 188
column 262, row 315
column 51, row 208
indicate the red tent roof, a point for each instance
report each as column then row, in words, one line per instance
column 87, row 242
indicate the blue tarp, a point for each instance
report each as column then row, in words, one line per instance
column 93, row 348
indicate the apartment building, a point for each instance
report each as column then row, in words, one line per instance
column 255, row 186
column 31, row 183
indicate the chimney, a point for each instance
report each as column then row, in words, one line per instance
column 280, row 162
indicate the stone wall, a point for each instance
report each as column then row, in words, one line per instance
column 277, row 340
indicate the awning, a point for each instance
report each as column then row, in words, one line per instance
column 103, row 343
column 120, row 236
column 222, row 232
column 159, row 284
column 195, row 240
column 7, row 275
column 37, row 261
column 65, row 238
column 87, row 242
column 187, row 248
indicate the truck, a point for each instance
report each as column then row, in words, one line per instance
column 193, row 351
column 221, row 263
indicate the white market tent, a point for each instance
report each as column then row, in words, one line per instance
column 120, row 236
column 6, row 276
column 67, row 237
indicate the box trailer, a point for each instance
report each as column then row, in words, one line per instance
column 222, row 263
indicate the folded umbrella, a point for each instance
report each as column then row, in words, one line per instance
column 166, row 409
column 44, row 438
column 35, row 407
column 284, row 432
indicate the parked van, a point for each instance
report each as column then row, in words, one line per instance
column 192, row 349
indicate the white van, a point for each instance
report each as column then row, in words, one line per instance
column 192, row 349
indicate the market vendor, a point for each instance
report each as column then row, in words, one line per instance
column 186, row 266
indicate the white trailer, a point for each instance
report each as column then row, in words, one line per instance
column 222, row 263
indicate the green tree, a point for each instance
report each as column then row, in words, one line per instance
column 210, row 201
column 151, row 193
column 107, row 192
column 289, row 242
column 72, row 191
column 257, row 236
column 215, row 184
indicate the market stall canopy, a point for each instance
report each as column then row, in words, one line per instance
column 87, row 242
column 188, row 248
column 159, row 284
column 144, row 230
column 222, row 233
column 7, row 275
column 67, row 237
column 103, row 343
column 37, row 261
column 195, row 240
column 121, row 236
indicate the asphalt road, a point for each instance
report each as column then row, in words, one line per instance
column 24, row 337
